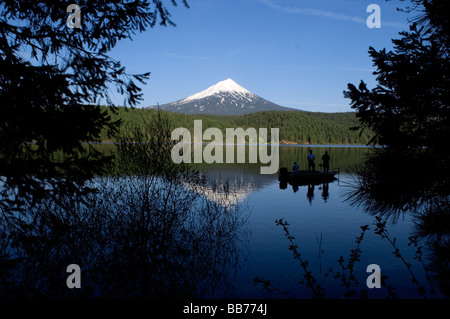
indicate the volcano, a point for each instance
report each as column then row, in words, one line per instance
column 223, row 98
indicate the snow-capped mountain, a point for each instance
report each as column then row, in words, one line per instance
column 223, row 98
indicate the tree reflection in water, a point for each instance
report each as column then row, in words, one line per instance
column 388, row 185
column 392, row 183
column 138, row 234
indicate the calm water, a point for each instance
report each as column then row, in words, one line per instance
column 325, row 227
column 129, row 245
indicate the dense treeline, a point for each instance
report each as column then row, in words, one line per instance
column 295, row 126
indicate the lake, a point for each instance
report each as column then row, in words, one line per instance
column 325, row 226
column 147, row 236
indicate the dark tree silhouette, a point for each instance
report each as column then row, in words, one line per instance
column 51, row 78
column 433, row 15
column 410, row 105
column 409, row 111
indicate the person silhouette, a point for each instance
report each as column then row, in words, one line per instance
column 296, row 167
column 311, row 159
column 326, row 162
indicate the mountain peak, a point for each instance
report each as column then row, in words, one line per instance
column 227, row 85
column 223, row 98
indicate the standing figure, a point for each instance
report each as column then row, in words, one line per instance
column 326, row 162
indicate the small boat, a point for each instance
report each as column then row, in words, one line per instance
column 306, row 177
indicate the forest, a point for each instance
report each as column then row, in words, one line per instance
column 296, row 127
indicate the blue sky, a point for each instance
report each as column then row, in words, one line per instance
column 296, row 53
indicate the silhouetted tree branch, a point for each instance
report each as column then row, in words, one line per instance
column 51, row 73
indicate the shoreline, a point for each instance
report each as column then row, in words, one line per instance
column 281, row 144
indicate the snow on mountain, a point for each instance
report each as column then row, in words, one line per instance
column 223, row 98
column 227, row 85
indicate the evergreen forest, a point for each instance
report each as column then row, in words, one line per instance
column 296, row 127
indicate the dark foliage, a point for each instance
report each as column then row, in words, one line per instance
column 49, row 75
column 409, row 107
column 409, row 113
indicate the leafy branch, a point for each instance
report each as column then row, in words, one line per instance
column 347, row 280
column 308, row 279
column 383, row 232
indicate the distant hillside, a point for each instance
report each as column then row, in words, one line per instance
column 296, row 127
